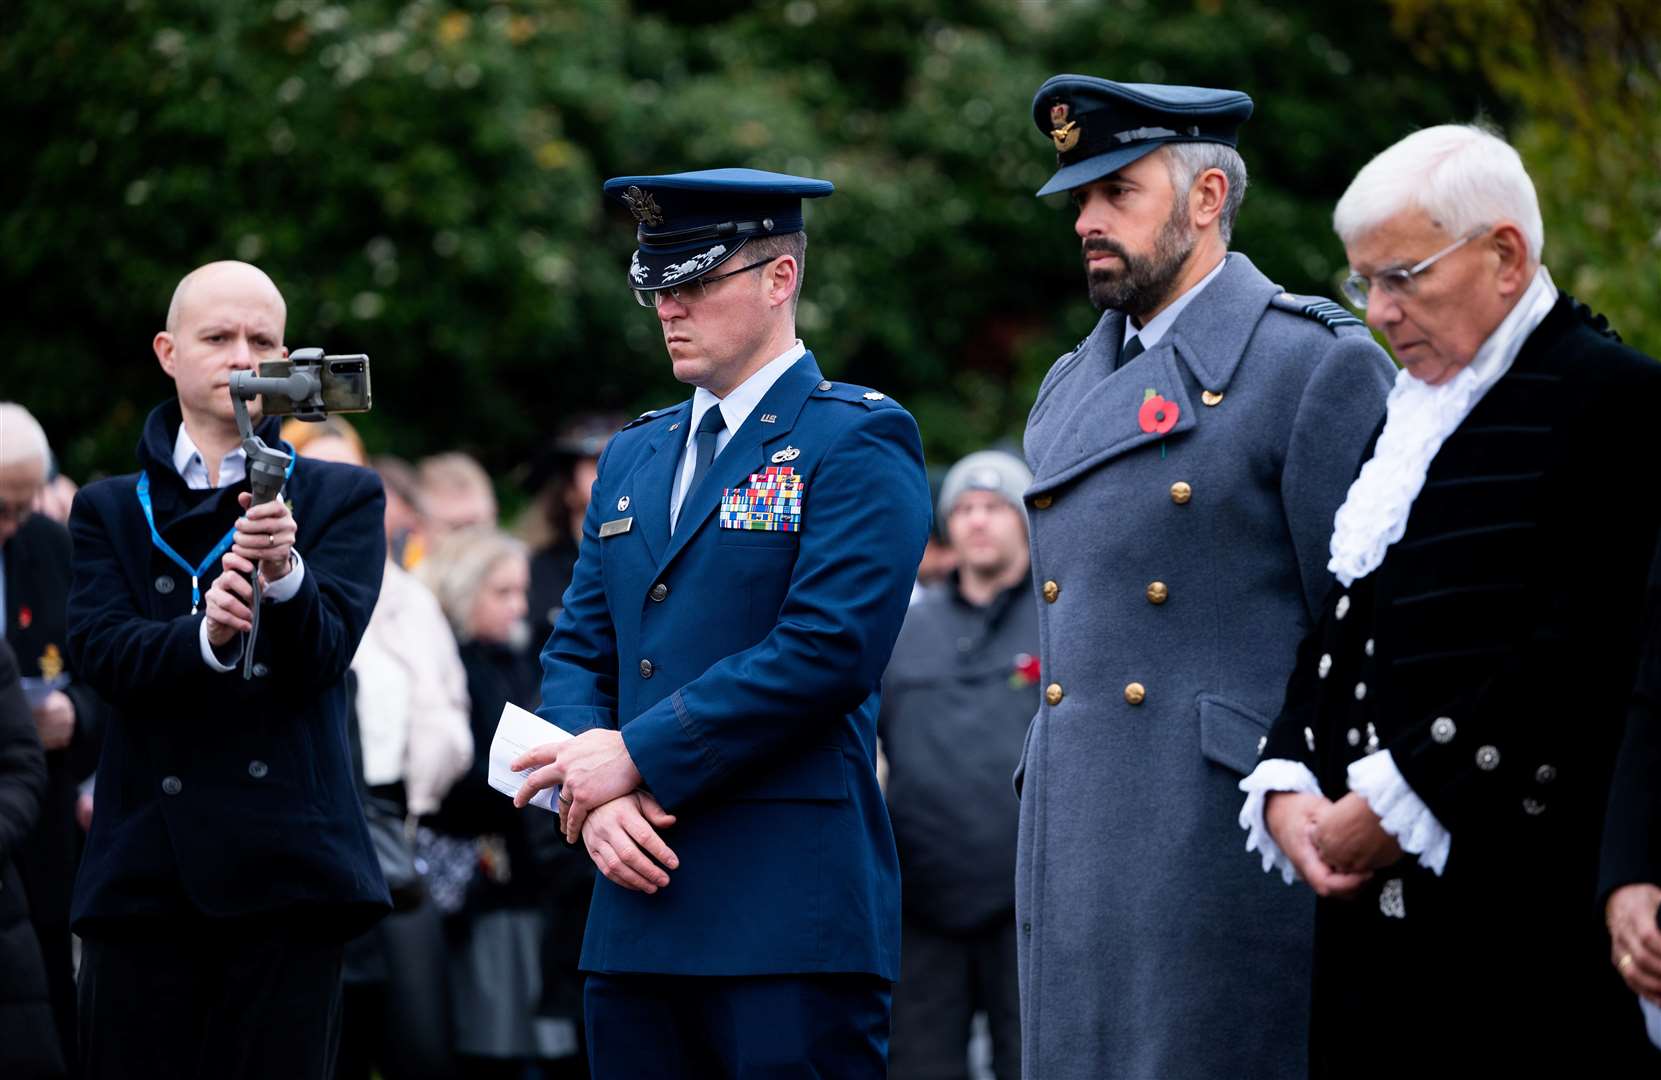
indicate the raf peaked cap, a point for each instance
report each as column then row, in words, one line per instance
column 692, row 222
column 1099, row 126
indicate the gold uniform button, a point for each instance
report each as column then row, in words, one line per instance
column 1157, row 592
column 1042, row 502
column 1181, row 492
column 1135, row 693
column 1051, row 591
column 1053, row 694
column 1212, row 397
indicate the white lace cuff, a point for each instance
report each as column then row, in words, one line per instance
column 1274, row 774
column 1401, row 812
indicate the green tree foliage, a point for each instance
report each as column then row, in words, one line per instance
column 1585, row 79
column 422, row 179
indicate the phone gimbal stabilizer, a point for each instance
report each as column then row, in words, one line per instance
column 307, row 385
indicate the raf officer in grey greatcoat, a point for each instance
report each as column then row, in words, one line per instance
column 1188, row 457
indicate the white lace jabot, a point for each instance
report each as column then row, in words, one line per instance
column 1418, row 418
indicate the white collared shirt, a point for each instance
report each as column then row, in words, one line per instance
column 1159, row 324
column 187, row 459
column 735, row 409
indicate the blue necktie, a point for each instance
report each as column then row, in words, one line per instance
column 703, row 450
column 1133, row 348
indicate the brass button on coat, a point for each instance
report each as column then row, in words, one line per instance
column 1181, row 492
column 1042, row 502
column 1212, row 397
column 645, row 669
column 1051, row 591
column 659, row 591
column 1135, row 693
column 1053, row 694
column 1157, row 592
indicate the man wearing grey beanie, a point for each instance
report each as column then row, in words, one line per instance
column 957, row 697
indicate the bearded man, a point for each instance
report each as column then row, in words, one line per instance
column 1188, row 457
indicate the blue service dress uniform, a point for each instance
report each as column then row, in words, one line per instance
column 742, row 666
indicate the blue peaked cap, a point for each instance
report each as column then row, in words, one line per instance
column 689, row 223
column 1099, row 126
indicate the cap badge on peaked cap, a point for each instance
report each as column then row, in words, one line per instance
column 643, row 206
column 1065, row 133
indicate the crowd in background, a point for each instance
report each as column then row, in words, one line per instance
column 475, row 972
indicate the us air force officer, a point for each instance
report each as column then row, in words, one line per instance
column 744, row 570
column 1187, row 460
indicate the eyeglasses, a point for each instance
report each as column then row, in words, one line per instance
column 1400, row 281
column 694, row 290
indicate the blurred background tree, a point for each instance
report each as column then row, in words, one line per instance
column 1585, row 83
column 422, row 179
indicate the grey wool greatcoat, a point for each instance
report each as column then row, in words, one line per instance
column 1176, row 574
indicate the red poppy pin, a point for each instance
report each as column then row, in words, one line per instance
column 1025, row 673
column 25, row 618
column 1157, row 415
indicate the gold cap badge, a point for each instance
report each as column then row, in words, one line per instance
column 1065, row 133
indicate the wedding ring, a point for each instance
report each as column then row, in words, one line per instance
column 565, row 798
column 1624, row 962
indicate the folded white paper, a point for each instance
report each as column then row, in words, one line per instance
column 516, row 732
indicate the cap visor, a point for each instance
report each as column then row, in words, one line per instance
column 1092, row 169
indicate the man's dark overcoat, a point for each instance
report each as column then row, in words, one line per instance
column 219, row 796
column 1492, row 653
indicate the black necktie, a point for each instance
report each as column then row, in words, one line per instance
column 703, row 449
column 1132, row 349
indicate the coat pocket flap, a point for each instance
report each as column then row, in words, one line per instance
column 1229, row 732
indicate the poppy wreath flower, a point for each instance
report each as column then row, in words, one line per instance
column 1158, row 416
column 1025, row 673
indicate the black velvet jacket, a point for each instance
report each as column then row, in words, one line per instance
column 1492, row 653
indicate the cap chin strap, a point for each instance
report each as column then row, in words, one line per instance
column 703, row 232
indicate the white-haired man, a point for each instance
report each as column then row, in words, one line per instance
column 1443, row 756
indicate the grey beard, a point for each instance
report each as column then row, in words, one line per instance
column 1143, row 283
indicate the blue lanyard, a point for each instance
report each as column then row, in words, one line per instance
column 219, row 549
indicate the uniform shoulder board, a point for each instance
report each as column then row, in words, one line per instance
column 1318, row 308
column 649, row 414
column 864, row 395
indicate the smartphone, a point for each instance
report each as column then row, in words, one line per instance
column 344, row 381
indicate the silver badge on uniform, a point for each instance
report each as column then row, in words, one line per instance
column 613, row 528
column 789, row 453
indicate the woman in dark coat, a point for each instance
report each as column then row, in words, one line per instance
column 28, row 1037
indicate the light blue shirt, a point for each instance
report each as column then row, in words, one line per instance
column 735, row 409
column 1151, row 333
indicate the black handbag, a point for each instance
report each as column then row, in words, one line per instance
column 389, row 836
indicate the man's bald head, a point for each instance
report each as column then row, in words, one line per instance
column 214, row 275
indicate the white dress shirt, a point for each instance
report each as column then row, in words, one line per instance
column 735, row 409
column 187, row 459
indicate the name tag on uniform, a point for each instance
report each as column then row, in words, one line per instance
column 613, row 528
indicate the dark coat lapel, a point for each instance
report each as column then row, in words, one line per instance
column 653, row 480
column 1208, row 339
column 747, row 451
column 1211, row 334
